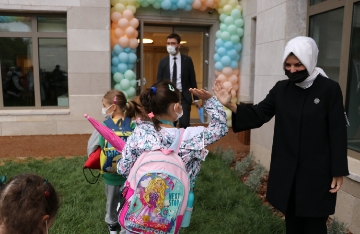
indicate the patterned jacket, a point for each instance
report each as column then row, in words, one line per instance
column 192, row 149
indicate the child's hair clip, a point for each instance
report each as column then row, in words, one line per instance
column 151, row 115
column 115, row 99
column 2, row 180
column 46, row 194
column 153, row 90
column 171, row 87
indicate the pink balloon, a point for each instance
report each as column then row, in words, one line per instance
column 114, row 25
column 233, row 79
column 196, row 4
column 209, row 3
column 136, row 34
column 203, row 8
column 222, row 78
column 114, row 41
column 236, row 71
column 134, row 23
column 227, row 71
column 130, row 32
column 124, row 41
column 133, row 43
column 115, row 16
column 236, row 87
column 233, row 93
column 123, row 23
column 128, row 15
column 227, row 84
column 217, row 73
column 119, row 32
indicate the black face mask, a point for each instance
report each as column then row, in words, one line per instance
column 297, row 77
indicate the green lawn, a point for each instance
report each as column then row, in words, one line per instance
column 222, row 203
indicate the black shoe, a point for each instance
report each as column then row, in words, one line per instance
column 113, row 228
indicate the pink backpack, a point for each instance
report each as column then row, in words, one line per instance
column 156, row 192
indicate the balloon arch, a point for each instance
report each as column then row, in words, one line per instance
column 124, row 40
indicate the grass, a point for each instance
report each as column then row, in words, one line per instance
column 222, row 203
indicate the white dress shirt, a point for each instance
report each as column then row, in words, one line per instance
column 178, row 65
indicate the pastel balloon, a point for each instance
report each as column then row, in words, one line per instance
column 233, row 79
column 130, row 32
column 222, row 17
column 133, row 43
column 131, row 8
column 123, row 23
column 209, row 3
column 217, row 57
column 228, row 45
column 228, row 114
column 133, row 83
column 119, row 32
column 114, row 41
column 229, row 20
column 117, row 49
column 145, row 4
column 117, row 87
column 232, row 29
column 233, row 93
column 127, row 50
column 217, row 73
column 218, row 32
column 233, row 3
column 232, row 54
column 203, row 8
column 123, row 57
column 234, row 39
column 221, row 51
column 227, row 71
column 114, row 25
column 114, row 69
column 240, row 32
column 238, row 47
column 234, row 99
column 181, row 4
column 124, row 2
column 128, row 15
column 131, row 2
column 227, row 85
column 115, row 16
column 130, row 75
column 225, row 36
column 239, row 23
column 130, row 66
column 118, row 77
column 131, row 91
column 125, row 84
column 166, row 4
column 236, row 71
column 219, row 66
column 227, row 9
column 173, row 7
column 222, row 78
column 234, row 64
column 115, row 61
column 236, row 14
column 226, row 61
column 119, row 7
column 124, row 41
column 134, row 23
column 188, row 7
column 122, row 67
column 196, row 4
column 113, row 2
column 157, row 5
column 229, row 123
column 219, row 42
column 151, row 1
column 132, row 57
column 223, row 27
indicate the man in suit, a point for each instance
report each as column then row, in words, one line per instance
column 179, row 69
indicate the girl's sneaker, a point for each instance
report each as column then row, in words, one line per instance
column 113, row 228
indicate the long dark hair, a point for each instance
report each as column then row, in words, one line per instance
column 158, row 98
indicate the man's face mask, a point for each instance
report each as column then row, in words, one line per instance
column 178, row 115
column 171, row 49
column 298, row 76
column 104, row 110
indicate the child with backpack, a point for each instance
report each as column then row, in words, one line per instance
column 118, row 113
column 156, row 188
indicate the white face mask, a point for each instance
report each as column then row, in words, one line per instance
column 178, row 115
column 171, row 49
column 104, row 110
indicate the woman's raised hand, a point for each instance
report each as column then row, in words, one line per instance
column 201, row 93
column 223, row 95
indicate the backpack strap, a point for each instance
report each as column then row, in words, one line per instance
column 121, row 122
column 110, row 124
column 175, row 146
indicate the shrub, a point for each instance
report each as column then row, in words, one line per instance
column 337, row 227
column 243, row 167
column 228, row 156
column 255, row 177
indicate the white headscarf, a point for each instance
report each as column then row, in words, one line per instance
column 306, row 50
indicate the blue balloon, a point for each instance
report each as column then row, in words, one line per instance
column 237, row 57
column 122, row 67
column 232, row 54
column 238, row 47
column 114, row 69
column 166, row 4
column 226, row 61
column 228, row 45
column 189, row 2
column 173, row 7
column 181, row 4
column 130, row 66
column 218, row 33
column 188, row 7
column 113, row 54
column 234, row 64
column 123, row 57
column 145, row 4
column 127, row 49
column 132, row 58
column 219, row 42
column 118, row 49
column 221, row 51
column 219, row 66
column 217, row 57
column 133, row 50
column 115, row 61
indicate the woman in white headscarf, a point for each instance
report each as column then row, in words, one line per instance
column 309, row 153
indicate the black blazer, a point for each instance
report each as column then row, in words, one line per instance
column 188, row 79
column 309, row 144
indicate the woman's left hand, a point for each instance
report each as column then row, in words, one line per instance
column 201, row 93
column 336, row 184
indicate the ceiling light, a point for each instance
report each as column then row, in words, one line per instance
column 183, row 42
column 146, row 41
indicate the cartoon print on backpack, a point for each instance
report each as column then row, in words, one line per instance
column 159, row 198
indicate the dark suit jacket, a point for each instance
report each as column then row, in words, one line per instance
column 309, row 146
column 188, row 79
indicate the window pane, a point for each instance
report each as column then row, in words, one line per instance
column 17, row 72
column 313, row 2
column 353, row 101
column 15, row 24
column 53, row 72
column 52, row 24
column 326, row 30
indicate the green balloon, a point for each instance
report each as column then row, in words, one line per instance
column 236, row 14
column 229, row 20
column 232, row 29
column 118, row 77
column 223, row 27
column 222, row 17
column 125, row 84
column 132, row 83
column 130, row 75
column 239, row 23
column 235, row 39
column 240, row 32
column 117, row 86
column 225, row 36
column 218, row 34
column 131, row 92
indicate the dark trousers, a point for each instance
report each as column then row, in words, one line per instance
column 184, row 121
column 303, row 225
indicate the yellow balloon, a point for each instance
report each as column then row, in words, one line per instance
column 131, row 2
column 113, row 2
column 227, row 9
column 124, row 2
column 228, row 114
column 137, row 5
column 131, row 8
column 119, row 7
column 239, row 8
column 233, row 3
column 229, row 123
column 234, row 100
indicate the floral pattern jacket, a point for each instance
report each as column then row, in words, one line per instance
column 192, row 150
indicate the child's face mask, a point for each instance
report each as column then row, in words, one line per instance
column 178, row 115
column 104, row 110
